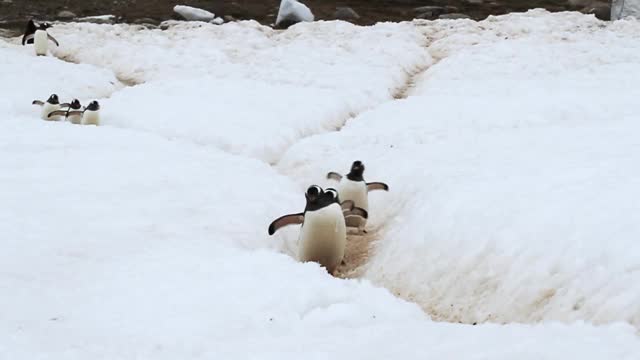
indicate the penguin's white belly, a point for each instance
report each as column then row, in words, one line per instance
column 49, row 108
column 91, row 118
column 323, row 237
column 40, row 42
column 355, row 191
column 75, row 119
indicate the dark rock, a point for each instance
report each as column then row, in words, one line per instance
column 345, row 13
column 228, row 18
column 602, row 12
column 146, row 21
column 66, row 15
column 429, row 12
column 454, row 16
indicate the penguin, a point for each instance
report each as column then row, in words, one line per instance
column 90, row 115
column 74, row 107
column 52, row 105
column 39, row 37
column 353, row 187
column 323, row 235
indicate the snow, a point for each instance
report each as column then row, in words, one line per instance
column 294, row 12
column 511, row 168
column 193, row 14
column 621, row 9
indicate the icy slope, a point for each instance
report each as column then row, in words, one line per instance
column 512, row 172
column 210, row 84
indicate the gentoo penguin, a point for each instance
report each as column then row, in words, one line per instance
column 90, row 115
column 73, row 113
column 323, row 235
column 38, row 36
column 353, row 187
column 52, row 105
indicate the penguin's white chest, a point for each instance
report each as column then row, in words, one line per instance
column 323, row 237
column 75, row 119
column 48, row 108
column 355, row 191
column 40, row 42
column 91, row 117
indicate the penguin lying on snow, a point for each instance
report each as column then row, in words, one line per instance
column 38, row 36
column 89, row 116
column 48, row 108
column 353, row 187
column 73, row 112
column 323, row 234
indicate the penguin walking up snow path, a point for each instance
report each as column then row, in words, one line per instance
column 49, row 107
column 323, row 234
column 354, row 188
column 39, row 36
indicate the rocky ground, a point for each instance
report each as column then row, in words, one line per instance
column 13, row 13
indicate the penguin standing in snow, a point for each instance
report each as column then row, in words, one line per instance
column 73, row 113
column 323, row 235
column 90, row 115
column 51, row 105
column 353, row 187
column 39, row 37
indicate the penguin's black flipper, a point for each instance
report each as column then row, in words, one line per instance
column 65, row 105
column 53, row 39
column 37, row 102
column 75, row 112
column 377, row 186
column 356, row 211
column 59, row 113
column 28, row 32
column 347, row 205
column 291, row 219
column 334, row 176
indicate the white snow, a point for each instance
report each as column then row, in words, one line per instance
column 511, row 166
column 512, row 173
column 193, row 14
column 293, row 11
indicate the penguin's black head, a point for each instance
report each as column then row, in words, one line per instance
column 93, row 106
column 357, row 169
column 53, row 99
column 75, row 104
column 331, row 195
column 44, row 26
column 314, row 192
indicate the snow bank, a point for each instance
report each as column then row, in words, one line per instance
column 193, row 14
column 511, row 172
column 256, row 99
column 292, row 12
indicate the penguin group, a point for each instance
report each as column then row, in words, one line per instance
column 327, row 215
column 39, row 36
column 53, row 110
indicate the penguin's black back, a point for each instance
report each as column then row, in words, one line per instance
column 30, row 30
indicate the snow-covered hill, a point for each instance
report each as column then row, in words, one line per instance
column 512, row 202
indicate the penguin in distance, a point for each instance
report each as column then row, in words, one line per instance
column 39, row 36
column 51, row 105
column 354, row 188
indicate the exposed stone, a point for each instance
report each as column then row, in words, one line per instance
column 228, row 18
column 345, row 13
column 454, row 16
column 66, row 15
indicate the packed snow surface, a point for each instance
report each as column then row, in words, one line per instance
column 511, row 166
